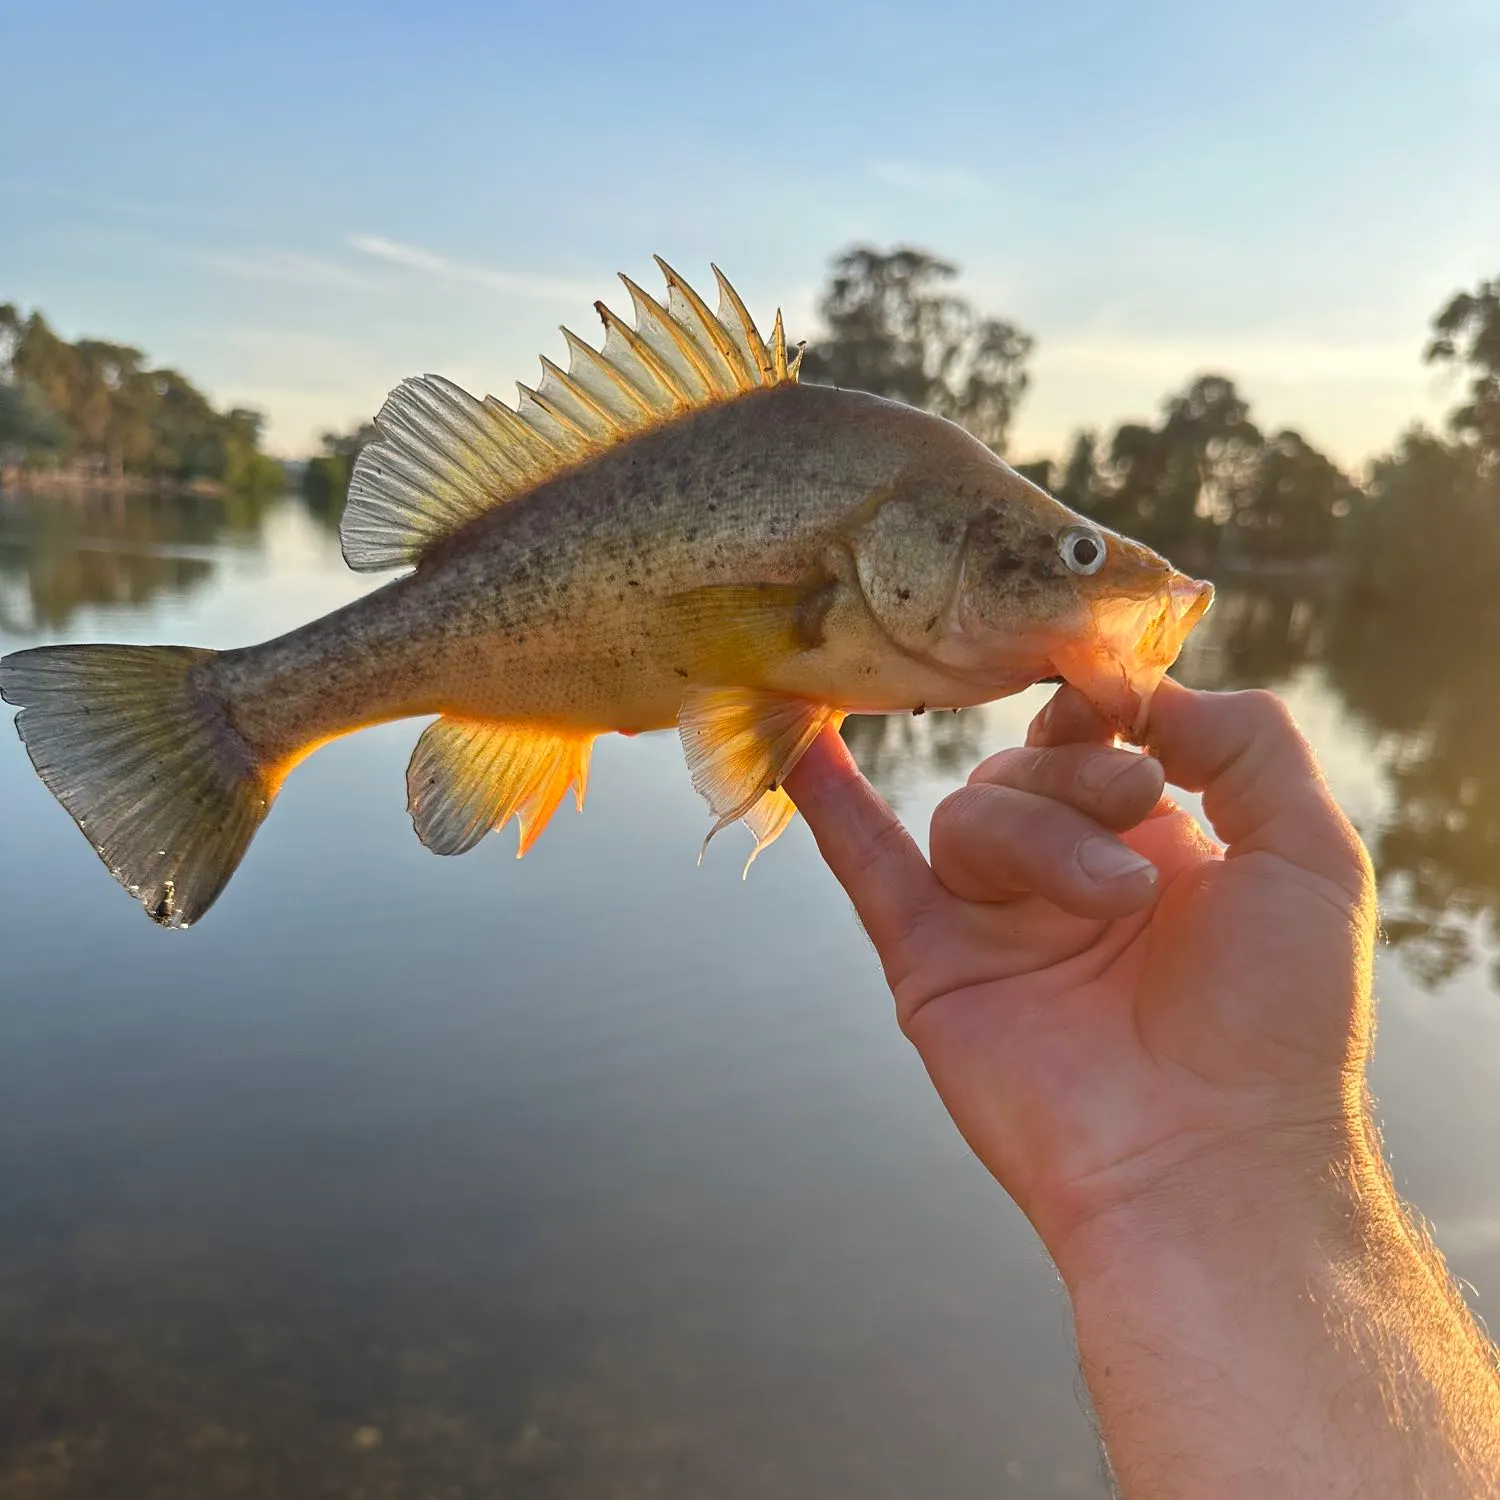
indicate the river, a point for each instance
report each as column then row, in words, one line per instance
column 598, row 1173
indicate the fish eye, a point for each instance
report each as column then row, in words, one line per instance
column 1082, row 549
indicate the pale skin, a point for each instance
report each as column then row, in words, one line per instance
column 1163, row 1063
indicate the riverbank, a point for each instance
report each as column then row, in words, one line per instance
column 80, row 482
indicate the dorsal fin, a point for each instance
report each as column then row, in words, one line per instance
column 444, row 457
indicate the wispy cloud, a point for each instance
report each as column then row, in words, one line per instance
column 286, row 268
column 957, row 184
column 429, row 263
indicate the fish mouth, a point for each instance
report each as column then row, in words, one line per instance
column 1118, row 664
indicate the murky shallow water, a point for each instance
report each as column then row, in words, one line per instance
column 597, row 1173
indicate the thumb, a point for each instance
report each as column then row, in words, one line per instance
column 1263, row 790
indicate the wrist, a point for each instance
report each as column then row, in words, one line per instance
column 1229, row 1199
column 1264, row 1319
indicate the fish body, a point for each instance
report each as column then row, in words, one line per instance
column 674, row 533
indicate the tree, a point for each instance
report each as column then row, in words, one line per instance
column 896, row 330
column 325, row 480
column 1411, row 653
column 27, row 423
column 1172, row 485
column 1466, row 333
column 1082, row 485
column 246, row 471
column 1292, row 503
column 110, row 410
column 1430, row 534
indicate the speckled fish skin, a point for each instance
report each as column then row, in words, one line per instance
column 558, row 609
column 677, row 534
column 555, row 609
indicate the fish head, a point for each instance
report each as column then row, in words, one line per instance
column 998, row 583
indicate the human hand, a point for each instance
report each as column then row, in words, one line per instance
column 1106, row 1031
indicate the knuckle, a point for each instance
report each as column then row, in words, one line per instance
column 1268, row 710
column 1006, row 767
column 955, row 817
column 884, row 842
column 966, row 803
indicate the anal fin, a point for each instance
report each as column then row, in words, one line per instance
column 767, row 820
column 740, row 743
column 468, row 776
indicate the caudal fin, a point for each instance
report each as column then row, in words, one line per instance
column 136, row 743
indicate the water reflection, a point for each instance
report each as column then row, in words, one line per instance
column 890, row 747
column 1258, row 634
column 1421, row 678
column 61, row 554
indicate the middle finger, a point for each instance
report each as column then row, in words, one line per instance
column 996, row 843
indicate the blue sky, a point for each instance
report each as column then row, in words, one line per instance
column 298, row 204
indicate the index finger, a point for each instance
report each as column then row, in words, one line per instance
column 863, row 842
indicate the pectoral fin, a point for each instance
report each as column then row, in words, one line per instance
column 740, row 743
column 468, row 776
column 725, row 631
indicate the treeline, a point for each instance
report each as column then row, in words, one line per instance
column 100, row 411
column 325, row 480
column 1204, row 482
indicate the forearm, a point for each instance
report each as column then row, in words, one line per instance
column 1288, row 1335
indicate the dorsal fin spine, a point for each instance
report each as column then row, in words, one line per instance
column 739, row 371
column 554, row 379
column 645, row 353
column 519, row 432
column 554, row 411
column 730, row 298
column 596, row 361
column 651, row 317
column 444, row 457
column 783, row 370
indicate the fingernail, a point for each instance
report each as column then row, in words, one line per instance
column 1105, row 769
column 1103, row 859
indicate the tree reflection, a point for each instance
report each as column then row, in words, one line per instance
column 58, row 556
column 888, row 747
column 1257, row 635
column 1424, row 680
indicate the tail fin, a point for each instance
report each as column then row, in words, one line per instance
column 137, row 744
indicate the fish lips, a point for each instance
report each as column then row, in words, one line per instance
column 1118, row 663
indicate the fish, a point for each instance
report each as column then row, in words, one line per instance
column 675, row 531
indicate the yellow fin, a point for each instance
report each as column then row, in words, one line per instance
column 468, row 776
column 767, row 820
column 444, row 457
column 725, row 630
column 740, row 743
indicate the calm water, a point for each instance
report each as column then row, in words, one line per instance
column 598, row 1174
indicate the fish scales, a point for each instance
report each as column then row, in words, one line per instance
column 674, row 532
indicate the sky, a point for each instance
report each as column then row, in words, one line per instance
column 298, row 204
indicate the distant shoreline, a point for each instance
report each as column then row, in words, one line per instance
column 82, row 484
